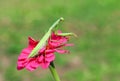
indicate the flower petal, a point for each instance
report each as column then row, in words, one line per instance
column 45, row 64
column 50, row 58
column 28, row 67
column 26, row 50
column 40, row 58
column 32, row 42
column 61, row 51
column 34, row 64
column 49, row 51
column 69, row 44
column 42, row 50
column 22, row 57
column 20, row 67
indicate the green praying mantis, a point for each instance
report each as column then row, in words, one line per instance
column 45, row 38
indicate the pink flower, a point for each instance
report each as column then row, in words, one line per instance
column 45, row 56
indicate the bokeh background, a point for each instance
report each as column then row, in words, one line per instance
column 96, row 54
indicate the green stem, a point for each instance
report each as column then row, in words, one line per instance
column 54, row 72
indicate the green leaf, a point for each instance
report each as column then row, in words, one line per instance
column 44, row 40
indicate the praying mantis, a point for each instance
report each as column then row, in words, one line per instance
column 45, row 38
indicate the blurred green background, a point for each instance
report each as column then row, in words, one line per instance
column 96, row 54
